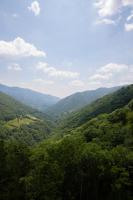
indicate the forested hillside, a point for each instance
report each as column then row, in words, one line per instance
column 77, row 101
column 20, row 122
column 92, row 160
column 95, row 162
column 10, row 108
column 106, row 104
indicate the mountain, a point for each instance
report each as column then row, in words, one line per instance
column 10, row 108
column 94, row 160
column 29, row 97
column 77, row 101
column 111, row 129
column 20, row 122
column 106, row 104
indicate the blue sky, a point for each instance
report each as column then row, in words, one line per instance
column 62, row 46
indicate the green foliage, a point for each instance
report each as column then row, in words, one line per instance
column 14, row 159
column 22, row 123
column 94, row 161
column 110, row 130
column 106, row 104
column 73, row 168
column 30, row 133
column 9, row 108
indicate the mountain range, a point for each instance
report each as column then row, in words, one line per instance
column 54, row 106
column 106, row 104
column 29, row 97
column 77, row 101
column 86, row 154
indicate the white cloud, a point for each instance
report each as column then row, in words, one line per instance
column 35, row 8
column 19, row 48
column 112, row 74
column 113, row 68
column 128, row 27
column 108, row 7
column 15, row 67
column 108, row 10
column 76, row 83
column 111, row 7
column 53, row 72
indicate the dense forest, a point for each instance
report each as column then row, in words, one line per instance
column 86, row 155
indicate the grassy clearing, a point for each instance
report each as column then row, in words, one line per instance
column 18, row 122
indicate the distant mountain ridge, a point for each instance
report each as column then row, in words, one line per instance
column 78, row 100
column 106, row 104
column 11, row 108
column 29, row 97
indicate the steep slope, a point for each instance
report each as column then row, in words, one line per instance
column 31, row 98
column 94, row 162
column 21, row 122
column 10, row 108
column 110, row 129
column 78, row 100
column 106, row 104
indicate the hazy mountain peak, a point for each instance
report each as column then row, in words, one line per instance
column 29, row 97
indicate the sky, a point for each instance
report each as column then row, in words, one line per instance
column 60, row 47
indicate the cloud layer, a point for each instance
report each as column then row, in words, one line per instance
column 108, row 10
column 53, row 72
column 112, row 74
column 19, row 48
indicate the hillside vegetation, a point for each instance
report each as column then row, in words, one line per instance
column 93, row 159
column 106, row 104
column 10, row 108
column 94, row 162
column 20, row 122
column 78, row 100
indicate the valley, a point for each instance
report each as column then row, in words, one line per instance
column 83, row 154
column 66, row 100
